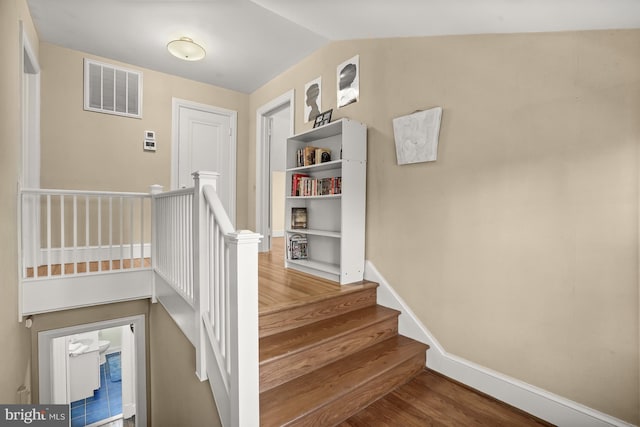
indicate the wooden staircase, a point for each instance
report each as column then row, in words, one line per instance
column 323, row 360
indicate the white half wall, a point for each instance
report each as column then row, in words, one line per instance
column 536, row 401
column 178, row 308
column 67, row 292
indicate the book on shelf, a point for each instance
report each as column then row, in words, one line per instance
column 305, row 185
column 309, row 156
column 298, row 247
column 298, row 217
column 296, row 179
column 305, row 156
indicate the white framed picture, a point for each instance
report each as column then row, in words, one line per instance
column 348, row 79
column 312, row 99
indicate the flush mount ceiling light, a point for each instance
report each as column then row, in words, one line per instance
column 186, row 49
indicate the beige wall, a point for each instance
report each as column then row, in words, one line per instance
column 87, row 150
column 518, row 248
column 14, row 363
column 178, row 397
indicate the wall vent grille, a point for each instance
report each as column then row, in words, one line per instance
column 112, row 90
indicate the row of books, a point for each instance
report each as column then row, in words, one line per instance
column 304, row 185
column 309, row 156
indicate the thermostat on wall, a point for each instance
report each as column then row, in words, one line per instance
column 149, row 140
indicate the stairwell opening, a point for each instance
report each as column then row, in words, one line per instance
column 56, row 361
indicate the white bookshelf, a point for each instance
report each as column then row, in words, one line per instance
column 335, row 230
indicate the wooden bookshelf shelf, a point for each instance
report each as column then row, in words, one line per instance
column 334, row 234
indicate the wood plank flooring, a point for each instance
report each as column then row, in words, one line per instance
column 280, row 287
column 434, row 400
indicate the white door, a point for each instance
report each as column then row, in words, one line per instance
column 128, row 373
column 277, row 142
column 205, row 140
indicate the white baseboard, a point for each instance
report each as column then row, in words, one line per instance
column 536, row 401
column 277, row 233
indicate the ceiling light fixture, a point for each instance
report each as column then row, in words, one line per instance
column 186, row 49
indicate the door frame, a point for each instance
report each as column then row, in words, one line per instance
column 178, row 103
column 263, row 176
column 30, row 93
column 45, row 339
column 29, row 176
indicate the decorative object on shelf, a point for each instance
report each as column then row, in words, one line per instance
column 323, row 118
column 298, row 217
column 323, row 155
column 312, row 99
column 348, row 78
column 298, row 247
column 416, row 136
column 187, row 49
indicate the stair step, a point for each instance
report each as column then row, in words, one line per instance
column 336, row 391
column 284, row 319
column 293, row 353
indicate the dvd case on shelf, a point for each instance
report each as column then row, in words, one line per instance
column 298, row 217
column 298, row 247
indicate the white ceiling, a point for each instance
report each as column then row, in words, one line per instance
column 250, row 42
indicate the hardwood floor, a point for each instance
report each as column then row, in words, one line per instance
column 281, row 288
column 430, row 399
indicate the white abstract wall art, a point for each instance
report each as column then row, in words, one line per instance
column 416, row 136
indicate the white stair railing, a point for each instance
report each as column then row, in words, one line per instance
column 73, row 243
column 214, row 268
column 71, row 232
column 207, row 270
column 173, row 240
column 227, row 278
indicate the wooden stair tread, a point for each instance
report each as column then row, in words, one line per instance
column 293, row 353
column 309, row 299
column 330, row 384
column 294, row 340
column 277, row 321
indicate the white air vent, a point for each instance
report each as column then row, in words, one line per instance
column 113, row 90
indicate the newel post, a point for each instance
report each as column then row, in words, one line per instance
column 153, row 190
column 243, row 268
column 200, row 271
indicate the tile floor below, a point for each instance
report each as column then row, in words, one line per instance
column 105, row 403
